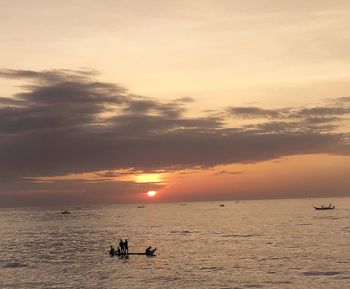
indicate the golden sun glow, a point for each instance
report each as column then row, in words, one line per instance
column 151, row 193
column 148, row 178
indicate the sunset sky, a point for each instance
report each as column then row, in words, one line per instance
column 103, row 101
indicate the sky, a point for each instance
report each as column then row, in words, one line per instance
column 102, row 101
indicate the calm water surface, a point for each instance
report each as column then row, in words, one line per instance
column 251, row 244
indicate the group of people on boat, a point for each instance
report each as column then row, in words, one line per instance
column 329, row 207
column 123, row 249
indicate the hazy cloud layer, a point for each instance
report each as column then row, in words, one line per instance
column 64, row 122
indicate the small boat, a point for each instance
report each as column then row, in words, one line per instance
column 144, row 254
column 65, row 212
column 222, row 205
column 150, row 254
column 141, row 207
column 324, row 208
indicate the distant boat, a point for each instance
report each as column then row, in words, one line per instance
column 330, row 207
column 141, row 207
column 65, row 212
column 222, row 205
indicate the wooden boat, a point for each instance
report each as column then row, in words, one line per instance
column 324, row 208
column 151, row 254
column 144, row 254
column 65, row 212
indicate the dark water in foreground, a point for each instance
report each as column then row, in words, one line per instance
column 252, row 244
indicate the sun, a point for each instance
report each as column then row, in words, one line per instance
column 151, row 193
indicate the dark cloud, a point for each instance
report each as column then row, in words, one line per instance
column 48, row 76
column 143, row 106
column 317, row 114
column 4, row 101
column 308, row 126
column 321, row 111
column 224, row 172
column 322, row 120
column 251, row 112
column 66, row 122
column 108, row 174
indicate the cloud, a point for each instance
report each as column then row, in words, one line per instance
column 298, row 119
column 48, row 76
column 321, row 111
column 290, row 113
column 224, row 172
column 65, row 122
column 109, row 174
column 253, row 112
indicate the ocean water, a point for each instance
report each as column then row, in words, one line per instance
column 246, row 244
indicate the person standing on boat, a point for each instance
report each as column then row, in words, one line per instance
column 121, row 245
column 126, row 249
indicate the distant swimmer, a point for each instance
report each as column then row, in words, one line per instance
column 112, row 251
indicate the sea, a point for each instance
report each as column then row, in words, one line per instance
column 228, row 244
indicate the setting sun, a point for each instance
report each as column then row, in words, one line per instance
column 151, row 193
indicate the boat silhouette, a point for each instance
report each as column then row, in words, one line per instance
column 325, row 208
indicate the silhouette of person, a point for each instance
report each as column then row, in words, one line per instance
column 112, row 251
column 121, row 245
column 148, row 250
column 126, row 246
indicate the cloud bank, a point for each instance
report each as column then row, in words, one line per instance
column 64, row 122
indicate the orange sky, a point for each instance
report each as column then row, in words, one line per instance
column 198, row 99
